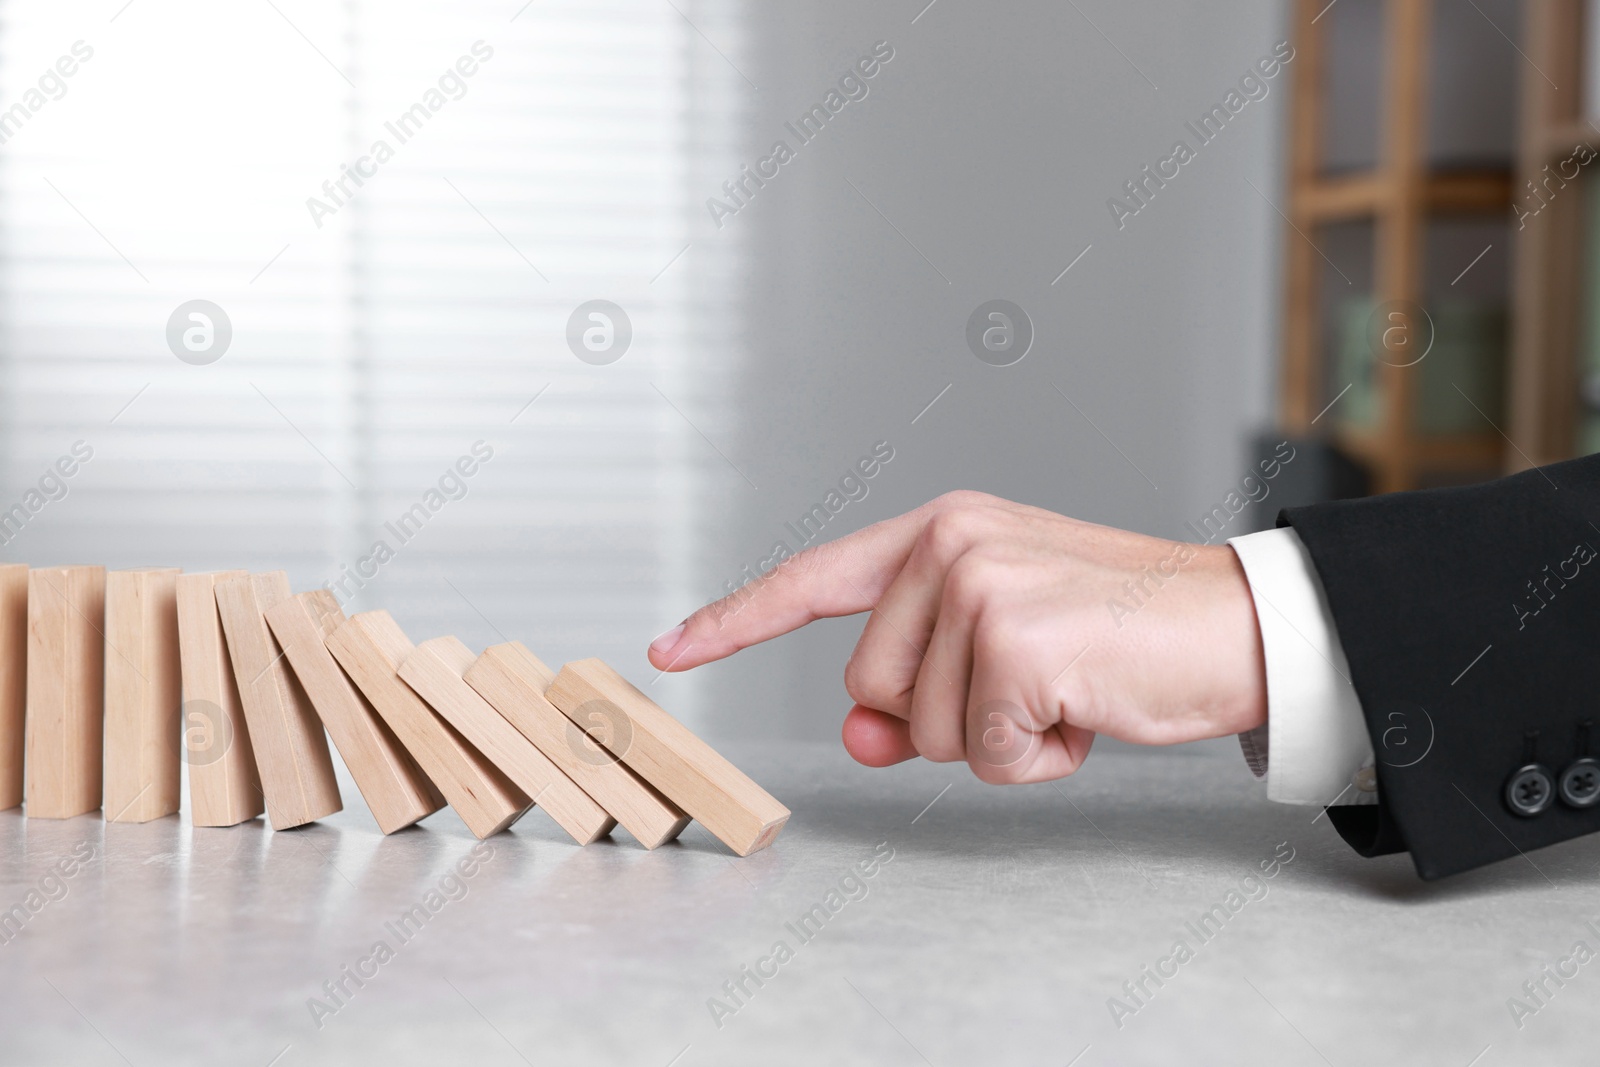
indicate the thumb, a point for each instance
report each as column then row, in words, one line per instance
column 876, row 738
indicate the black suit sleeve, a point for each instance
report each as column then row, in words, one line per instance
column 1470, row 618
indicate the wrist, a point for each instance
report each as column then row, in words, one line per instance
column 1233, row 636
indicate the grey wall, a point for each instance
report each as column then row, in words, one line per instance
column 993, row 140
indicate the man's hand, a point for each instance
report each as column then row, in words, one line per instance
column 1008, row 636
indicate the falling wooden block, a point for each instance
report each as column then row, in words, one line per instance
column 513, row 680
column 13, row 678
column 370, row 647
column 435, row 669
column 66, row 695
column 290, row 746
column 688, row 771
column 391, row 782
column 224, row 785
column 142, row 695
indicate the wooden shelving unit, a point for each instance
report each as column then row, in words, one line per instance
column 1400, row 195
column 1548, row 309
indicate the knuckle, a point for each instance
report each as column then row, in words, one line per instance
column 866, row 684
column 855, row 682
column 960, row 520
column 963, row 498
column 793, row 570
column 970, row 581
column 948, row 534
column 1000, row 641
column 1002, row 740
column 720, row 611
column 805, row 562
column 996, row 774
column 1018, row 645
column 802, row 572
column 933, row 744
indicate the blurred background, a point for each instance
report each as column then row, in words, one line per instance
column 1358, row 227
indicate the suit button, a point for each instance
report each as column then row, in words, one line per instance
column 1580, row 783
column 1530, row 790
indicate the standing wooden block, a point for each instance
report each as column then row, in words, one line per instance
column 744, row 816
column 513, row 680
column 291, row 748
column 142, row 695
column 224, row 785
column 13, row 678
column 391, row 782
column 66, row 695
column 436, row 669
column 370, row 647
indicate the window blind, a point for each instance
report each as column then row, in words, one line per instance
column 398, row 413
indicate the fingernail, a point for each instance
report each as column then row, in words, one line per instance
column 664, row 644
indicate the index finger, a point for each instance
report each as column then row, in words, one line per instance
column 842, row 577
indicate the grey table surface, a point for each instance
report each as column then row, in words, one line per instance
column 999, row 932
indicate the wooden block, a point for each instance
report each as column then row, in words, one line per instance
column 391, row 782
column 290, row 746
column 143, row 693
column 661, row 749
column 436, row 669
column 66, row 695
column 13, row 678
column 224, row 785
column 513, row 680
column 370, row 647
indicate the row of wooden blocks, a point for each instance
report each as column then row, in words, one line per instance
column 109, row 680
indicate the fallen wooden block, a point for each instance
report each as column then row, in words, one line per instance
column 395, row 789
column 143, row 693
column 688, row 771
column 435, row 669
column 513, row 680
column 224, row 785
column 66, row 695
column 370, row 647
column 290, row 746
column 13, row 678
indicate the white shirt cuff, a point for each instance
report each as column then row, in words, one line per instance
column 1315, row 748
